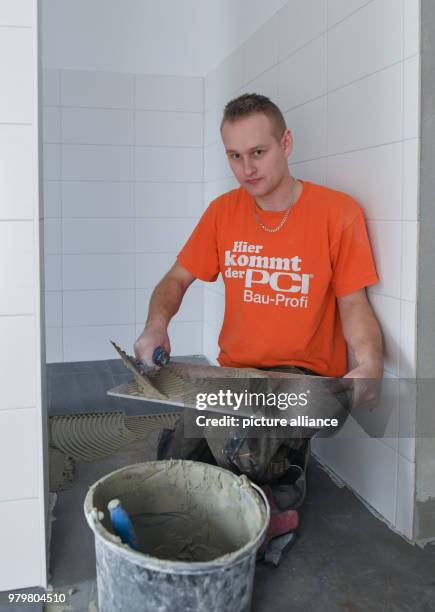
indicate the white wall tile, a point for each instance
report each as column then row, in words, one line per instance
column 213, row 189
column 151, row 267
column 410, row 178
column 98, row 271
column 386, row 241
column 168, row 164
column 302, row 77
column 405, row 497
column 16, row 164
column 411, row 23
column 54, row 344
column 185, row 338
column 170, row 93
column 16, row 78
column 23, row 554
column 53, row 308
column 97, row 126
column 411, row 102
column 155, row 128
column 91, row 343
column 210, row 343
column 53, row 272
column 168, row 199
column 52, row 236
column 314, row 171
column 407, row 417
column 216, row 165
column 97, row 162
column 212, row 121
column 51, row 162
column 16, row 13
column 339, row 9
column 191, row 308
column 162, row 235
column 102, row 199
column 308, row 126
column 16, row 333
column 387, row 311
column 51, row 124
column 408, row 339
column 98, row 235
column 265, row 84
column 221, row 83
column 17, row 267
column 50, row 87
column 370, row 176
column 51, row 197
column 19, row 430
column 409, row 260
column 261, row 50
column 300, row 22
column 369, row 40
column 97, row 89
column 108, row 307
column 214, row 307
column 366, row 113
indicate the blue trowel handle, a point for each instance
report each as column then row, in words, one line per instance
column 122, row 525
column 160, row 356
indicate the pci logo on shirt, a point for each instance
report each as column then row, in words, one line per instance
column 283, row 275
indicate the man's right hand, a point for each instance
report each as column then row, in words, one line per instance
column 150, row 339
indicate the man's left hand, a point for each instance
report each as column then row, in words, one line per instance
column 367, row 380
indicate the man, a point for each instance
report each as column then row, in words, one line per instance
column 295, row 258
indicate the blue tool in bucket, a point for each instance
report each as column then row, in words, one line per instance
column 122, row 524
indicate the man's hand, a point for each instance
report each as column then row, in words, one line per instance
column 366, row 384
column 151, row 337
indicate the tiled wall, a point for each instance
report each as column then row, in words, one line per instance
column 22, row 417
column 122, row 191
column 346, row 75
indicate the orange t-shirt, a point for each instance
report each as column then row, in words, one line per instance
column 281, row 288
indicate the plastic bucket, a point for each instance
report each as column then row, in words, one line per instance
column 198, row 527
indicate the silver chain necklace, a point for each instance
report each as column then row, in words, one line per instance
column 272, row 230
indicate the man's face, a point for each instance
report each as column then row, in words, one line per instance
column 257, row 159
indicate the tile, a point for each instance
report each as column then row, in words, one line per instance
column 51, row 197
column 162, row 235
column 191, row 308
column 151, row 267
column 210, row 343
column 169, row 129
column 50, row 87
column 97, row 89
column 17, row 267
column 168, row 164
column 408, row 340
column 221, row 82
column 386, row 241
column 411, row 22
column 410, row 178
column 366, row 113
column 169, row 93
column 185, row 338
column 90, row 343
column 95, row 271
column 407, row 417
column 370, row 176
column 409, row 260
column 108, row 307
column 260, row 50
column 21, row 547
column 17, row 170
column 19, row 429
column 51, row 124
column 53, row 272
column 314, row 171
column 340, row 9
column 98, row 236
column 373, row 40
column 308, row 126
column 405, row 497
column 302, row 77
column 53, row 308
column 15, row 333
column 53, row 344
column 265, row 84
column 214, row 307
column 411, row 102
column 169, row 199
column 16, row 75
column 97, row 162
column 387, row 311
column 300, row 22
column 215, row 188
column 212, row 121
column 17, row 13
column 100, row 126
column 51, row 162
column 216, row 165
column 101, row 199
column 52, row 236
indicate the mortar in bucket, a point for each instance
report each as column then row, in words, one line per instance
column 198, row 527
